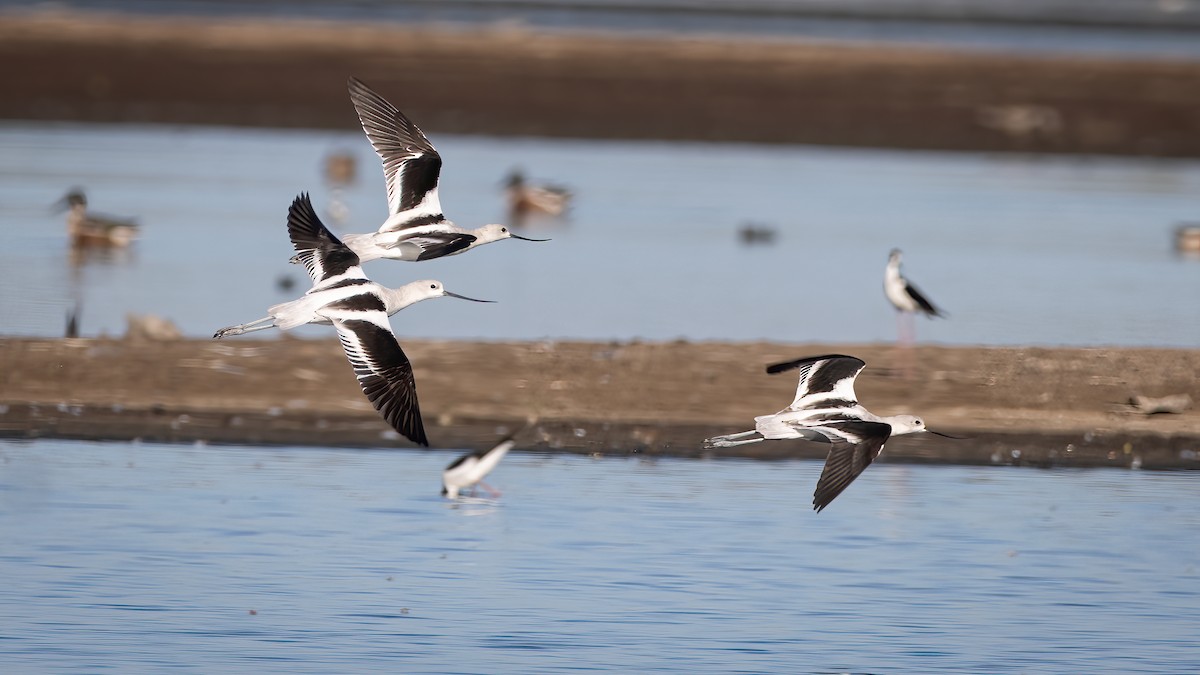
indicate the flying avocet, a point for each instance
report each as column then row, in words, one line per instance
column 358, row 308
column 827, row 410
column 416, row 228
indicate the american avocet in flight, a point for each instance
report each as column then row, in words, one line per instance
column 335, row 276
column 415, row 229
column 525, row 198
column 93, row 229
column 905, row 297
column 358, row 308
column 826, row 409
column 469, row 470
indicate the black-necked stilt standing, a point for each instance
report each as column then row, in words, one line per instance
column 416, row 228
column 469, row 470
column 905, row 297
column 358, row 308
column 826, row 409
column 93, row 229
column 525, row 198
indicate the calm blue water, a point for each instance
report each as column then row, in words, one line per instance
column 140, row 558
column 1018, row 250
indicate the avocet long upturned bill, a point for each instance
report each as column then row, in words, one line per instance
column 358, row 308
column 416, row 228
column 826, row 409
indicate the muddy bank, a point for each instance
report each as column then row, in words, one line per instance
column 282, row 73
column 1024, row 406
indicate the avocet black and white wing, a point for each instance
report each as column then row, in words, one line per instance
column 854, row 445
column 411, row 166
column 384, row 372
column 438, row 244
column 324, row 256
column 825, row 381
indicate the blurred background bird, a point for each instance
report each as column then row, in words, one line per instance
column 528, row 199
column 94, row 229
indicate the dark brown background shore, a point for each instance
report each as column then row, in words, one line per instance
column 284, row 73
column 1024, row 406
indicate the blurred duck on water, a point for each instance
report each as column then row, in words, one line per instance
column 525, row 199
column 93, row 229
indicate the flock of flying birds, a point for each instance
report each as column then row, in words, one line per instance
column 825, row 408
column 358, row 308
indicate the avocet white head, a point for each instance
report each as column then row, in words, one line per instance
column 358, row 308
column 826, row 409
column 416, row 228
column 469, row 470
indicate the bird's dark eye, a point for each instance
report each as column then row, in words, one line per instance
column 504, row 229
column 433, row 286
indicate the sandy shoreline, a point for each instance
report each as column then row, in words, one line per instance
column 1037, row 406
column 509, row 81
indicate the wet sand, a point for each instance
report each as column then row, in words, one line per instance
column 509, row 81
column 1036, row 406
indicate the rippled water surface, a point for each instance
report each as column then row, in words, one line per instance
column 1018, row 250
column 142, row 558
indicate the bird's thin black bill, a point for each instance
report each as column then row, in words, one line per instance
column 938, row 433
column 517, row 236
column 463, row 297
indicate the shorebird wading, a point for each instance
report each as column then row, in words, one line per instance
column 91, row 229
column 826, row 409
column 358, row 308
column 470, row 469
column 905, row 297
column 415, row 228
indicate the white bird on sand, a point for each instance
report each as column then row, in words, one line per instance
column 827, row 410
column 469, row 470
column 905, row 297
column 415, row 228
column 358, row 308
